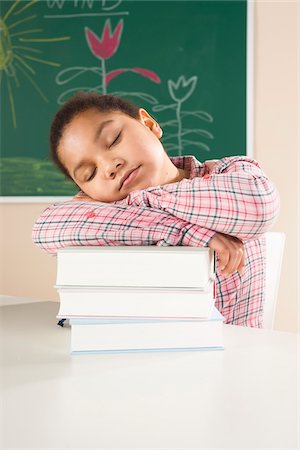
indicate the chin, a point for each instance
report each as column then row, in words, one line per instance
column 122, row 196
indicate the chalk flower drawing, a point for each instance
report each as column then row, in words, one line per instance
column 103, row 49
column 180, row 91
column 106, row 47
column 16, row 58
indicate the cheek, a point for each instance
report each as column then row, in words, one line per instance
column 95, row 190
column 150, row 177
column 102, row 192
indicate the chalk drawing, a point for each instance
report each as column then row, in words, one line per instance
column 15, row 56
column 180, row 91
column 103, row 49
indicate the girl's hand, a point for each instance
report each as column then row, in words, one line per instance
column 230, row 251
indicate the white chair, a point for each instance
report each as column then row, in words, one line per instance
column 275, row 242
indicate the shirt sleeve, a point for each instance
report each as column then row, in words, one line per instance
column 236, row 198
column 89, row 223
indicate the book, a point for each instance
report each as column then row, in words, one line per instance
column 123, row 335
column 136, row 302
column 135, row 266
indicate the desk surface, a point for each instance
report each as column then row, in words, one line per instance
column 242, row 397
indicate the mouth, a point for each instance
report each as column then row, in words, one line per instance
column 128, row 177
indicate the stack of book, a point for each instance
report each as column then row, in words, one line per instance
column 139, row 298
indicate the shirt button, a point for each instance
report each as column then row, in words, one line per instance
column 90, row 214
column 206, row 177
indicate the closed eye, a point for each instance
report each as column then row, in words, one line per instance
column 114, row 142
column 117, row 139
column 92, row 176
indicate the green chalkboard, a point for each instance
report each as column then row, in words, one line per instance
column 183, row 61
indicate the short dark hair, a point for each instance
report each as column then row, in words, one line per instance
column 81, row 102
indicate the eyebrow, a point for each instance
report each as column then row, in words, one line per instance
column 96, row 137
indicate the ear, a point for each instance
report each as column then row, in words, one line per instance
column 150, row 123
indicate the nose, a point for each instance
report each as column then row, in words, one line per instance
column 111, row 167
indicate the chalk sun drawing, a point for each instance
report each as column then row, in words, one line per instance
column 16, row 56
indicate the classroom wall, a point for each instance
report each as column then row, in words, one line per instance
column 29, row 272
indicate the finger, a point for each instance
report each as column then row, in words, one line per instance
column 241, row 268
column 224, row 252
column 221, row 249
column 224, row 256
column 229, row 250
column 229, row 269
column 236, row 254
column 240, row 260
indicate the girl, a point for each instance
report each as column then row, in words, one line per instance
column 133, row 193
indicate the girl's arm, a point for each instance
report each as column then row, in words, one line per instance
column 236, row 198
column 78, row 222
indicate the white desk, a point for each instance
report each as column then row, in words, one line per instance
column 243, row 397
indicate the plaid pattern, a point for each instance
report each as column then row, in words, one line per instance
column 236, row 198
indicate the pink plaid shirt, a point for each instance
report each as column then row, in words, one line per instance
column 236, row 198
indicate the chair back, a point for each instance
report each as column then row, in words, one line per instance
column 275, row 242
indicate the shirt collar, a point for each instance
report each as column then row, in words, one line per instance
column 189, row 163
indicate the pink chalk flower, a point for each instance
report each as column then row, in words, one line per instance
column 107, row 46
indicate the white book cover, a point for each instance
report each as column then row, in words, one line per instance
column 91, row 336
column 128, row 302
column 135, row 266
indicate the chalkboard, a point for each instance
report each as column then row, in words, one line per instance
column 183, row 61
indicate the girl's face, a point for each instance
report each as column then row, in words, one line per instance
column 100, row 148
